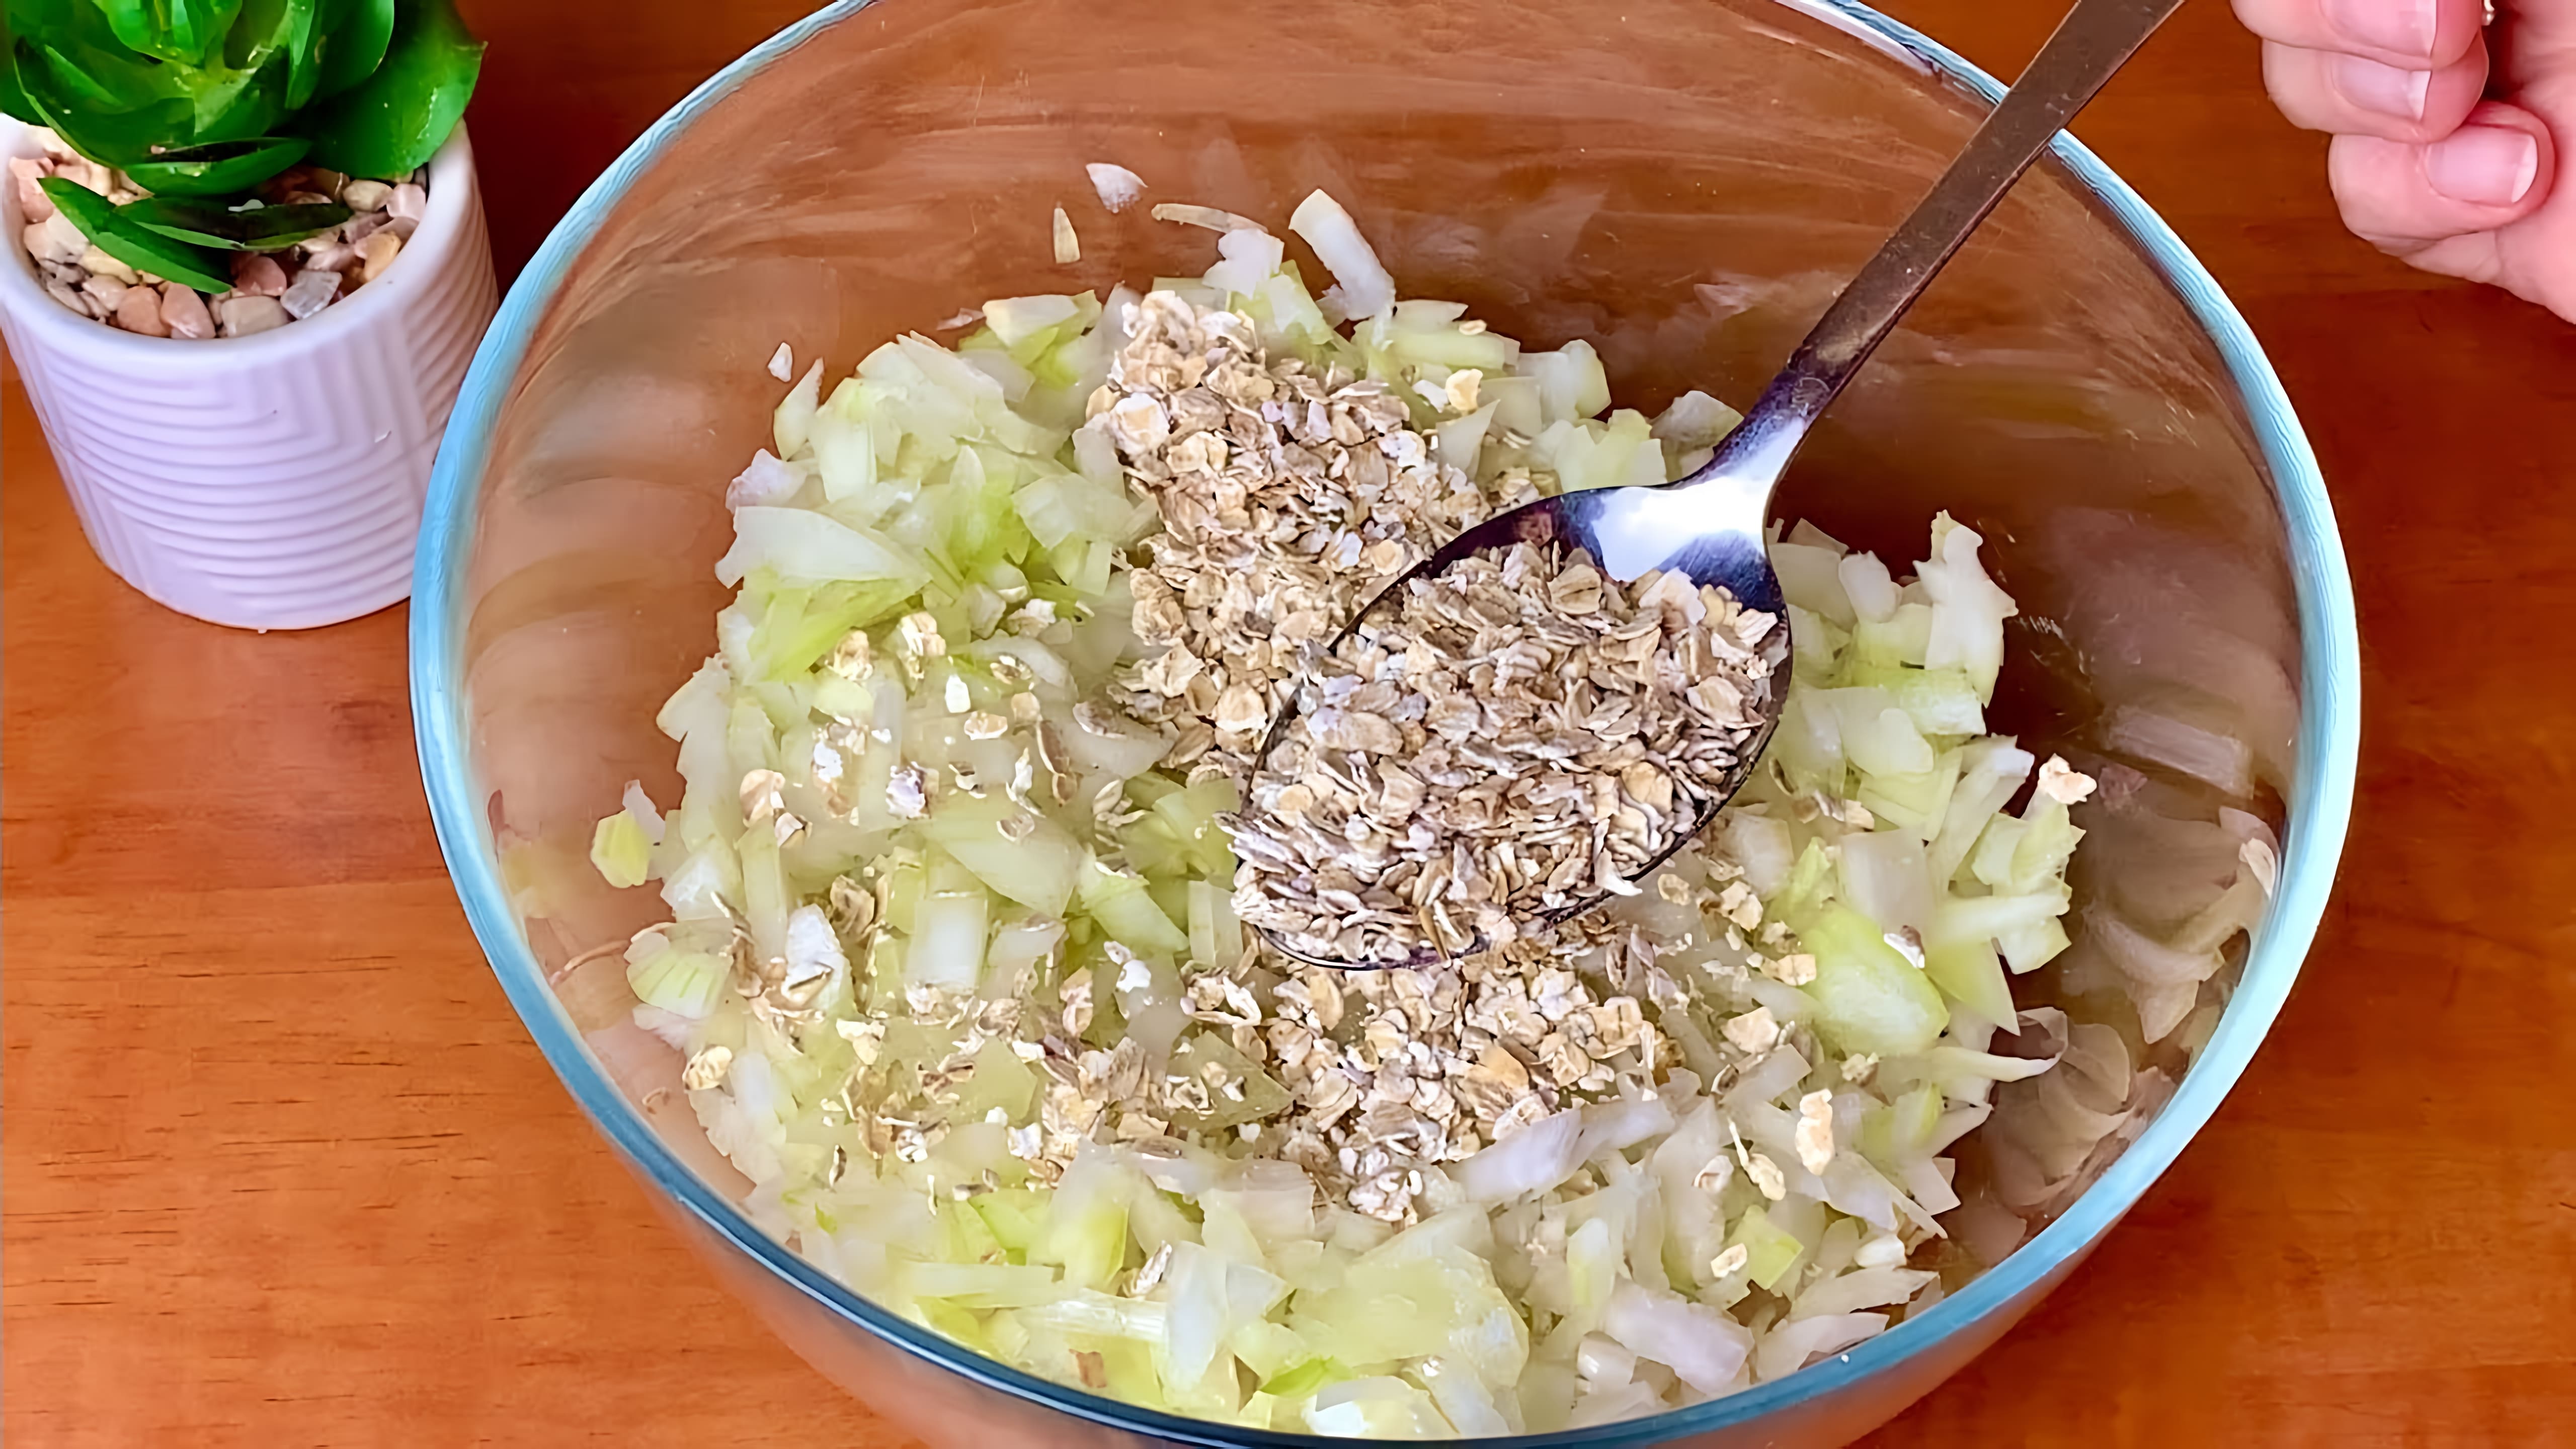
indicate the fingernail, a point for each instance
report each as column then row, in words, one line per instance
column 2483, row 165
column 2381, row 88
column 2404, row 27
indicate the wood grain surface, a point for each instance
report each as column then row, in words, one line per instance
column 281, row 1167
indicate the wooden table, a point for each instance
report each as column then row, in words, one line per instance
column 283, row 1169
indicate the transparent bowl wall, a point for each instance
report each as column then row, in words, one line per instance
column 1681, row 181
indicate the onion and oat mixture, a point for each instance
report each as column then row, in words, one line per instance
column 1524, row 734
column 954, row 957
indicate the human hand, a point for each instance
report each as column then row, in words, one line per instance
column 2425, row 165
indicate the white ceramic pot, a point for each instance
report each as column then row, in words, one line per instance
column 272, row 481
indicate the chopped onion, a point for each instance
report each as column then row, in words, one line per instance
column 1703, row 1347
column 1694, row 421
column 1532, row 1160
column 1789, row 1347
column 1376, row 1408
column 620, row 851
column 1016, row 319
column 796, row 411
column 1365, row 287
column 1206, row 216
column 766, row 481
column 910, row 785
column 1116, row 186
column 807, row 548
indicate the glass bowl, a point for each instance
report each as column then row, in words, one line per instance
column 1683, row 182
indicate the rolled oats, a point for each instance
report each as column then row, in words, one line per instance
column 1814, row 1136
column 1510, row 738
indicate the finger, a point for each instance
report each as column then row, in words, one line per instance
column 2490, row 173
column 2408, row 34
column 2345, row 94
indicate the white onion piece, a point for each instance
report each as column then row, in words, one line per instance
column 809, row 548
column 1703, row 1347
column 640, row 805
column 1116, row 186
column 1357, row 274
column 1207, row 216
column 1534, row 1159
column 1886, row 878
column 1617, row 1126
column 1868, row 585
column 1250, row 257
column 1858, row 1289
column 766, row 481
column 1787, row 1348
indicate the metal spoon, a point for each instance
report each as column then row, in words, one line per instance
column 1710, row 524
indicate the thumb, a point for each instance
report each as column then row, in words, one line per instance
column 2436, row 203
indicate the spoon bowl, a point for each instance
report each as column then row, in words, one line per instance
column 1706, row 525
column 1710, row 524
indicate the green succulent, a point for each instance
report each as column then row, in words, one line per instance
column 208, row 99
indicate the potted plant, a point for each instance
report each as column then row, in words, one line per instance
column 248, row 271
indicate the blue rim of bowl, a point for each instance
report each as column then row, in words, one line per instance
column 2320, row 808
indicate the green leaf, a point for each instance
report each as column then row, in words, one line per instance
column 303, row 46
column 13, row 101
column 354, row 43
column 264, row 30
column 111, row 138
column 244, row 89
column 137, row 26
column 200, row 26
column 13, row 97
column 403, row 113
column 221, row 168
column 83, row 53
column 145, row 251
column 233, row 105
column 260, row 229
column 183, row 32
column 97, row 80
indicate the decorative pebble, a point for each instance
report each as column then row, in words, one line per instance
column 185, row 314
column 99, row 264
column 88, row 174
column 139, row 310
column 377, row 253
column 259, row 275
column 54, row 239
column 269, row 289
column 312, row 290
column 27, row 174
column 242, row 316
column 331, row 256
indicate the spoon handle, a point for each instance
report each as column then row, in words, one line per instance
column 2094, row 40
